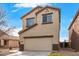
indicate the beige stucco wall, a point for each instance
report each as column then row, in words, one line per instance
column 10, row 43
column 52, row 29
column 43, row 29
column 13, row 43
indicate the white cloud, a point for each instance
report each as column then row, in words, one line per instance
column 32, row 5
column 18, row 6
column 15, row 10
column 14, row 32
column 62, row 39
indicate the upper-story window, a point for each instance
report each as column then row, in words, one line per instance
column 47, row 18
column 30, row 22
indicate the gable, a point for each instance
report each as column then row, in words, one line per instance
column 32, row 12
column 47, row 9
column 39, row 20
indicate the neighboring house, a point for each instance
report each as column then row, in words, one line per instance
column 74, row 32
column 8, row 41
column 41, row 29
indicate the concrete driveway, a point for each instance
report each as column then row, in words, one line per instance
column 65, row 52
column 30, row 53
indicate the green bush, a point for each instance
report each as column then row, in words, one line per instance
column 55, row 54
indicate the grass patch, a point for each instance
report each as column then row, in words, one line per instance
column 55, row 54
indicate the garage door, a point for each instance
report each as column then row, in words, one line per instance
column 38, row 44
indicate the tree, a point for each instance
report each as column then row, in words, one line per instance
column 4, row 26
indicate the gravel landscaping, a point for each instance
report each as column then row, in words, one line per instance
column 66, row 52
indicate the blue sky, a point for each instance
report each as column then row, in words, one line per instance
column 16, row 11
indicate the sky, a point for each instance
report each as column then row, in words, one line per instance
column 16, row 11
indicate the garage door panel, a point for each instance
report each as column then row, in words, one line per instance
column 38, row 44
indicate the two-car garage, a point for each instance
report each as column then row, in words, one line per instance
column 38, row 43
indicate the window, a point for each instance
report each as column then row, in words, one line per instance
column 30, row 21
column 47, row 18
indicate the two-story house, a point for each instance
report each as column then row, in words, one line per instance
column 74, row 32
column 41, row 29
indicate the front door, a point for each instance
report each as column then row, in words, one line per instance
column 5, row 43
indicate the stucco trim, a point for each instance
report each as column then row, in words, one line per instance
column 47, row 13
column 30, row 18
column 27, row 29
column 39, row 36
column 47, row 22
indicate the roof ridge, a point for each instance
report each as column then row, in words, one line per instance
column 32, row 10
column 47, row 7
